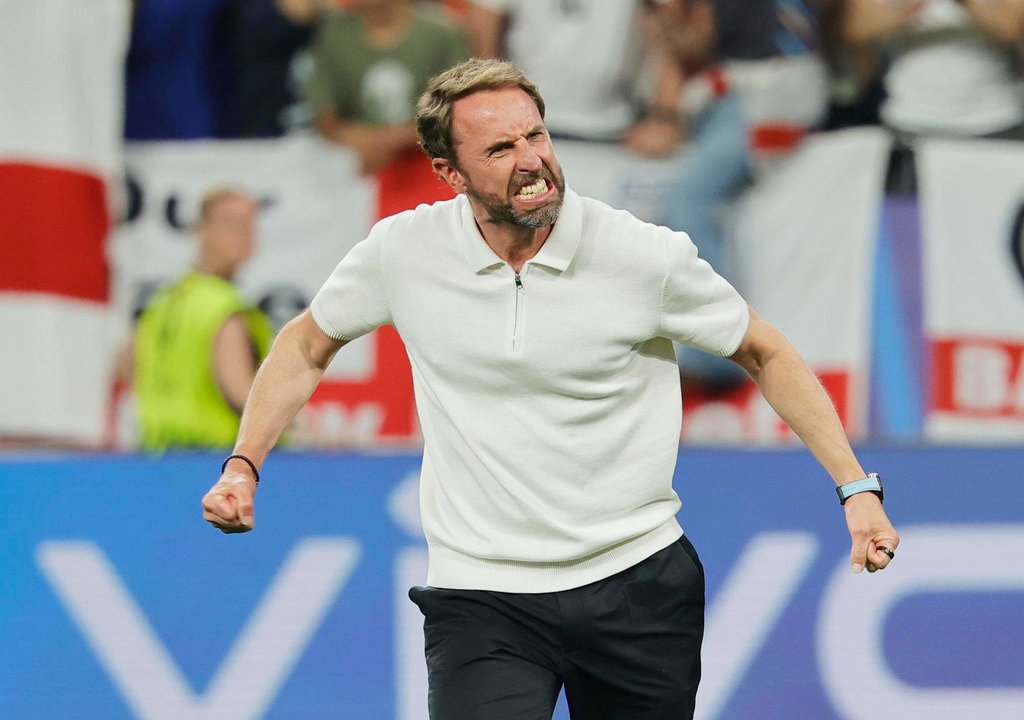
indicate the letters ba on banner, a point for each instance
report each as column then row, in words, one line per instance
column 972, row 209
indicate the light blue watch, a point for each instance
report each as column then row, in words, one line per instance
column 871, row 483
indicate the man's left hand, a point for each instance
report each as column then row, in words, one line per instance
column 871, row 532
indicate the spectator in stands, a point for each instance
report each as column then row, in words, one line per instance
column 855, row 87
column 174, row 70
column 371, row 63
column 198, row 342
column 587, row 57
column 954, row 69
column 266, row 40
column 752, row 84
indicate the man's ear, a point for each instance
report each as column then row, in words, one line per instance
column 449, row 173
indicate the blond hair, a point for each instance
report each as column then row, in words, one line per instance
column 215, row 196
column 434, row 109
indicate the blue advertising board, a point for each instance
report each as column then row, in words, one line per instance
column 118, row 601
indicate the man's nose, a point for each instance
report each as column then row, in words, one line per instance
column 527, row 159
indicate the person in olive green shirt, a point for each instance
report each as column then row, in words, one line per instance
column 198, row 341
column 371, row 64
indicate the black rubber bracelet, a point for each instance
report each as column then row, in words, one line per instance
column 250, row 463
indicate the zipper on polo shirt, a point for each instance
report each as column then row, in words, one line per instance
column 518, row 301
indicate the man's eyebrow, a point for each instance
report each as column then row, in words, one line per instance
column 500, row 145
column 506, row 144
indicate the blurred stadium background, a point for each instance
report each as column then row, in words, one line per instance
column 117, row 602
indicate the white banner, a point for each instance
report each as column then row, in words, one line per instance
column 60, row 136
column 972, row 208
column 805, row 244
column 806, row 239
column 62, row 82
column 315, row 208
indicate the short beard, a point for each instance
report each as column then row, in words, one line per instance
column 506, row 213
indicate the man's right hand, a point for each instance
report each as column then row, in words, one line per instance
column 228, row 505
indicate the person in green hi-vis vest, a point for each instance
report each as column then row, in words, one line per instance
column 198, row 342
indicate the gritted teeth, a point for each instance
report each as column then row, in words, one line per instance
column 527, row 192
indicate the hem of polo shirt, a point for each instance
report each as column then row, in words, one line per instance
column 734, row 342
column 314, row 310
column 453, row 570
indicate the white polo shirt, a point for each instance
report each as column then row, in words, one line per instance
column 550, row 408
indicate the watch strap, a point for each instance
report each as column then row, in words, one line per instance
column 870, row 483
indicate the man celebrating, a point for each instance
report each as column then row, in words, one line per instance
column 539, row 325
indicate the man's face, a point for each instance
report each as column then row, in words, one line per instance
column 505, row 162
column 229, row 228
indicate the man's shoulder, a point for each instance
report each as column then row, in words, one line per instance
column 618, row 238
column 208, row 284
column 195, row 297
column 423, row 216
column 601, row 216
column 216, row 295
column 192, row 283
column 419, row 229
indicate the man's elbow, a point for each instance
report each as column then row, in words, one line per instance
column 751, row 361
column 761, row 343
column 315, row 346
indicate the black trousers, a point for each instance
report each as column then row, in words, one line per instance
column 625, row 648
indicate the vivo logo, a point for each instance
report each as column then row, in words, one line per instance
column 255, row 667
column 854, row 671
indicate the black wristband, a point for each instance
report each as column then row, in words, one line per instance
column 247, row 461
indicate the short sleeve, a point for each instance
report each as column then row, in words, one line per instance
column 698, row 306
column 353, row 301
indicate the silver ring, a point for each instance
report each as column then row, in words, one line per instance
column 887, row 551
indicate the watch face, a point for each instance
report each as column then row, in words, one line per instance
column 878, row 480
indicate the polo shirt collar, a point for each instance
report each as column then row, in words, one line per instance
column 556, row 252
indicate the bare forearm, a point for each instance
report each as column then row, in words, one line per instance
column 867, row 21
column 284, row 383
column 794, row 392
column 234, row 361
column 669, row 82
column 791, row 388
column 686, row 31
column 1001, row 20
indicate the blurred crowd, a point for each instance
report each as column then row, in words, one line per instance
column 723, row 88
column 651, row 74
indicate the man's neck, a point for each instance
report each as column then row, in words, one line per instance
column 212, row 267
column 512, row 243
